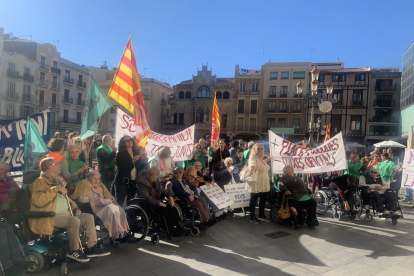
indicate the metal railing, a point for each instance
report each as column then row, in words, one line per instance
column 382, row 119
column 81, row 84
column 43, row 82
column 272, row 95
column 384, row 103
column 55, row 86
column 55, row 70
column 28, row 77
column 73, row 121
column 13, row 73
column 283, row 95
column 44, row 67
column 27, row 98
column 358, row 103
column 68, row 100
column 54, row 106
column 80, row 103
column 12, row 95
column 42, row 104
column 381, row 88
column 68, row 80
column 271, row 109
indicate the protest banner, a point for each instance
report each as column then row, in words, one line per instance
column 327, row 157
column 12, row 138
column 408, row 169
column 181, row 144
column 238, row 194
column 217, row 196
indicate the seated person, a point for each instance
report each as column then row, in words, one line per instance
column 372, row 183
column 185, row 190
column 346, row 186
column 48, row 194
column 91, row 190
column 76, row 167
column 202, row 172
column 149, row 187
column 226, row 174
column 299, row 197
column 11, row 257
column 7, row 184
column 192, row 176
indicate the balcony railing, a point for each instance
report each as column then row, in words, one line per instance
column 28, row 77
column 272, row 95
column 357, row 103
column 381, row 88
column 68, row 80
column 54, row 106
column 299, row 130
column 55, row 86
column 80, row 103
column 255, row 92
column 81, row 84
column 44, row 67
column 55, row 70
column 282, row 110
column 27, row 98
column 73, row 121
column 283, row 95
column 13, row 73
column 383, row 119
column 43, row 82
column 384, row 103
column 271, row 109
column 12, row 95
column 336, row 102
column 42, row 104
column 297, row 111
column 295, row 95
column 68, row 100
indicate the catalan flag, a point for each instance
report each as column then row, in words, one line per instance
column 126, row 90
column 215, row 125
column 328, row 133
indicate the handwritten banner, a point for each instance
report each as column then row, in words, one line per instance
column 12, row 134
column 408, row 169
column 328, row 157
column 181, row 144
column 238, row 194
column 217, row 196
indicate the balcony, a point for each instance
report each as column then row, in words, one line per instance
column 384, row 119
column 283, row 95
column 13, row 73
column 44, row 67
column 384, row 103
column 43, row 83
column 28, row 77
column 357, row 103
column 67, row 100
column 163, row 102
column 81, row 84
column 72, row 121
column 68, row 80
column 12, row 95
column 383, row 88
column 27, row 98
column 80, row 103
column 282, row 110
column 202, row 126
column 297, row 111
column 54, row 106
column 55, row 70
column 336, row 102
column 272, row 95
column 55, row 86
column 296, row 95
column 255, row 92
column 271, row 110
column 299, row 130
column 42, row 104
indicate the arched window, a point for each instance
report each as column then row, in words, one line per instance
column 203, row 92
column 181, row 95
column 199, row 115
column 219, row 95
column 226, row 95
column 188, row 95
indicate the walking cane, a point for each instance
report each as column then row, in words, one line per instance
column 71, row 213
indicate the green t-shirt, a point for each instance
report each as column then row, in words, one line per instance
column 61, row 204
column 353, row 168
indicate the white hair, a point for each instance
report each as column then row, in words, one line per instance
column 227, row 160
column 285, row 168
column 93, row 173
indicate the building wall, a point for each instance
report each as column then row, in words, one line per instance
column 407, row 90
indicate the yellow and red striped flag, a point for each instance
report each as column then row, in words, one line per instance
column 303, row 144
column 328, row 133
column 126, row 90
column 215, row 125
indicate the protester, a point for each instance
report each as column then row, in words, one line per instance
column 192, row 176
column 246, row 152
column 57, row 135
column 163, row 161
column 219, row 155
column 299, row 197
column 258, row 169
column 408, row 196
column 354, row 166
column 391, row 155
column 226, row 174
column 376, row 150
column 79, row 143
column 149, row 187
column 127, row 161
column 203, row 173
column 76, row 167
column 238, row 159
column 386, row 169
column 204, row 147
column 375, row 160
column 7, row 184
column 106, row 154
column 103, row 204
column 365, row 161
column 372, row 182
column 346, row 186
column 197, row 156
column 48, row 194
column 316, row 181
column 234, row 147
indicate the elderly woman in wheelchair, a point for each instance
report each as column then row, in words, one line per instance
column 93, row 192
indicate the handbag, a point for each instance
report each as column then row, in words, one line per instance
column 246, row 177
column 284, row 211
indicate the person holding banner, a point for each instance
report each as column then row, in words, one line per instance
column 259, row 170
column 219, row 155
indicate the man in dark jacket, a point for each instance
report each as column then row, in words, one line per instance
column 219, row 155
column 149, row 187
column 106, row 160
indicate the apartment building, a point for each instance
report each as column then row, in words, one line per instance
column 407, row 91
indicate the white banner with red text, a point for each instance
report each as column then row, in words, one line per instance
column 408, row 170
column 217, row 196
column 181, row 144
column 325, row 158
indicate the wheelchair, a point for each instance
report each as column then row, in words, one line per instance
column 367, row 206
column 188, row 216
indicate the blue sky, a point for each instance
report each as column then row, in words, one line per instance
column 173, row 38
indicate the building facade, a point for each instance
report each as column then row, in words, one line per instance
column 407, row 91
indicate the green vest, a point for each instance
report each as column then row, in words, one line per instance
column 386, row 170
column 73, row 166
column 108, row 165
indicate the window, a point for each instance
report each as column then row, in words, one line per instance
column 175, row 118
column 255, row 88
column 284, row 75
column 181, row 118
column 240, row 107
column 55, row 81
column 253, row 107
column 296, row 107
column 360, row 77
column 242, row 87
column 42, row 77
column 112, row 123
column 12, row 87
column 271, row 107
column 338, row 77
column 223, row 122
column 42, row 60
column 296, row 123
column 226, row 95
column 321, row 78
column 337, row 97
column 356, row 123
column 281, row 122
column 65, row 115
column 80, row 99
column 299, row 75
column 26, row 71
column 270, row 122
column 27, row 93
column 252, row 124
column 25, row 111
column 282, row 106
column 79, row 118
column 10, row 111
column 357, row 97
column 67, row 74
column 204, row 92
column 54, row 97
column 273, row 75
column 12, row 66
column 199, row 115
column 272, row 91
column 181, row 95
column 283, row 91
column 188, row 95
column 219, row 95
column 240, row 124
column 80, row 78
column 55, row 64
column 66, row 96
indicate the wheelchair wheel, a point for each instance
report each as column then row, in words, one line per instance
column 322, row 202
column 195, row 231
column 38, row 259
column 337, row 215
column 155, row 239
column 138, row 221
column 368, row 218
column 274, row 214
column 394, row 221
column 64, row 269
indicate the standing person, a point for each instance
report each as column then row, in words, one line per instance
column 76, row 168
column 354, row 166
column 258, row 169
column 365, row 161
column 234, row 147
column 375, row 160
column 376, row 150
column 219, row 155
column 126, row 161
column 391, row 155
column 79, row 143
column 163, row 161
column 7, row 184
column 239, row 160
column 204, row 147
column 106, row 154
column 96, row 143
column 246, row 153
column 197, row 156
column 386, row 169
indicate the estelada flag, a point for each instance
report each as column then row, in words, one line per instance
column 126, row 90
column 215, row 125
column 328, row 133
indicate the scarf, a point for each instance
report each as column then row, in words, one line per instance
column 56, row 180
column 162, row 165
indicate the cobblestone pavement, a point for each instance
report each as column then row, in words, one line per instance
column 237, row 247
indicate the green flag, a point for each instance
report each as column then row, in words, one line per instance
column 94, row 108
column 34, row 145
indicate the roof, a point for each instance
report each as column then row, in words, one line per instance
column 218, row 81
column 347, row 70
